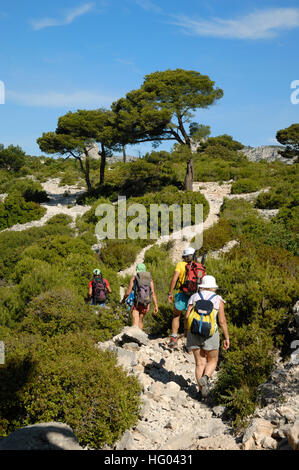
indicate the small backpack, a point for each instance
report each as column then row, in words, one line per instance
column 99, row 291
column 202, row 318
column 142, row 289
column 194, row 272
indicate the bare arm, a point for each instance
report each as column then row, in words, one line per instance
column 129, row 289
column 154, row 298
column 89, row 292
column 223, row 325
column 186, row 316
column 172, row 286
column 109, row 289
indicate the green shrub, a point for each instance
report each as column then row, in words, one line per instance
column 244, row 185
column 216, row 236
column 52, row 249
column 63, row 311
column 13, row 244
column 119, row 254
column 283, row 194
column 142, row 176
column 247, row 364
column 66, row 379
column 58, row 311
column 15, row 210
column 9, row 306
column 41, row 278
column 60, row 219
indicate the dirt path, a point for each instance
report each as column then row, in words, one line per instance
column 214, row 193
column 62, row 200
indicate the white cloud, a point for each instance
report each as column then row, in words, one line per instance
column 67, row 19
column 148, row 5
column 260, row 24
column 54, row 99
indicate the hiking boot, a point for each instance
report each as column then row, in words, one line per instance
column 205, row 385
column 173, row 343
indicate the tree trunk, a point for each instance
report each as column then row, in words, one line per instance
column 124, row 154
column 85, row 171
column 103, row 164
column 87, row 177
column 189, row 176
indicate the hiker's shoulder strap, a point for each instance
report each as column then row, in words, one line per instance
column 212, row 296
column 201, row 296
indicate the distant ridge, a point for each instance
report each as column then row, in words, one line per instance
column 270, row 153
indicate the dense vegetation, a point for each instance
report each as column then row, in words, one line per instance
column 53, row 371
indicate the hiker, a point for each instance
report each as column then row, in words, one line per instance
column 201, row 330
column 98, row 289
column 187, row 276
column 141, row 292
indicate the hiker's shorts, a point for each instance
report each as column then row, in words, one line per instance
column 197, row 341
column 181, row 301
column 143, row 309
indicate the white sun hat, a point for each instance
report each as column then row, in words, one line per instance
column 188, row 251
column 208, row 282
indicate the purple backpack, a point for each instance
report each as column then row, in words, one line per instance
column 99, row 291
column 143, row 290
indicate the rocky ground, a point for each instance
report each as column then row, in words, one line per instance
column 62, row 200
column 173, row 418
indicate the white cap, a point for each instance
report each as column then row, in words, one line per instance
column 208, row 282
column 188, row 251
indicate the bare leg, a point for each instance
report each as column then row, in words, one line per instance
column 176, row 321
column 135, row 317
column 212, row 359
column 141, row 317
column 200, row 364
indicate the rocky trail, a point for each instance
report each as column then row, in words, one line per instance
column 172, row 417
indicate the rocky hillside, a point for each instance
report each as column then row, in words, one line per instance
column 270, row 153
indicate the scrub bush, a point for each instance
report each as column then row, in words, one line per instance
column 244, row 185
column 66, row 379
column 15, row 210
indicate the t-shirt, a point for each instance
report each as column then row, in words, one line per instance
column 206, row 295
column 181, row 268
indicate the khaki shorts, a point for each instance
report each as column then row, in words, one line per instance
column 197, row 341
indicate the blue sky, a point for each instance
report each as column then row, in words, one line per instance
column 74, row 54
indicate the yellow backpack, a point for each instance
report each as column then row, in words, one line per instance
column 202, row 318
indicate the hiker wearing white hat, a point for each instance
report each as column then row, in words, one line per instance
column 205, row 343
column 186, row 278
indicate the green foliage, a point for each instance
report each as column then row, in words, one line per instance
column 12, row 158
column 289, row 137
column 66, row 379
column 216, row 236
column 62, row 311
column 119, row 254
column 27, row 188
column 247, row 364
column 244, row 185
column 15, row 210
column 284, row 194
